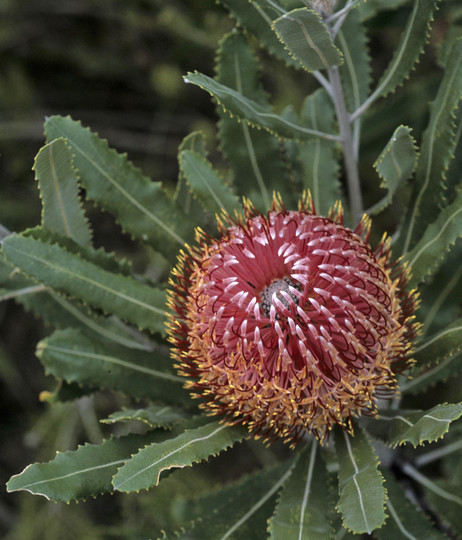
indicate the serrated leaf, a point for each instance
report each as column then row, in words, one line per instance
column 62, row 211
column 141, row 206
column 362, row 493
column 238, row 510
column 319, row 159
column 82, row 473
column 445, row 499
column 429, row 252
column 413, row 39
column 355, row 71
column 252, row 112
column 440, row 345
column 419, row 427
column 405, row 521
column 70, row 355
column 370, row 8
column 307, row 38
column 153, row 416
column 257, row 17
column 207, row 186
column 55, row 267
column 396, row 164
column 302, row 512
column 184, row 197
column 196, row 443
column 436, row 153
column 254, row 155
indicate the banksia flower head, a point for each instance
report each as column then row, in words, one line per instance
column 290, row 323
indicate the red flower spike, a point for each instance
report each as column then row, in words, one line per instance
column 290, row 323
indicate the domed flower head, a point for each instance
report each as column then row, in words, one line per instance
column 289, row 322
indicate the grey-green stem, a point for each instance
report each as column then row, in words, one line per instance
column 346, row 136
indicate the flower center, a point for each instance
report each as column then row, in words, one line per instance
column 278, row 290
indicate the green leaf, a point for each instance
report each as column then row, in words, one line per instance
column 154, row 416
column 254, row 155
column 65, row 272
column 419, row 427
column 319, row 159
column 184, row 197
column 302, row 511
column 437, row 152
column 82, row 473
column 362, row 494
column 405, row 521
column 257, row 17
column 446, row 501
column 196, row 443
column 207, row 186
column 396, row 164
column 239, row 510
column 440, row 345
column 62, row 211
column 370, row 8
column 141, row 207
column 252, row 112
column 355, row 72
column 412, row 42
column 307, row 39
column 429, row 252
column 70, row 355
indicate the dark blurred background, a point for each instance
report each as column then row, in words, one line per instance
column 117, row 66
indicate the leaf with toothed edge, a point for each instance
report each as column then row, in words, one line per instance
column 417, row 427
column 82, row 473
column 70, row 355
column 154, row 416
column 405, row 521
column 302, row 511
column 62, row 210
column 362, row 493
column 141, row 206
column 206, row 184
column 252, row 112
column 198, row 442
column 436, row 153
column 307, row 38
column 63, row 271
column 257, row 17
column 255, row 155
column 429, row 252
column 444, row 343
column 239, row 510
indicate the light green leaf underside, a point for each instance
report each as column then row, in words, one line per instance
column 252, row 112
column 184, row 197
column 254, row 155
column 196, row 443
column 319, row 159
column 240, row 510
column 66, row 272
column 82, row 473
column 419, row 427
column 70, row 355
column 61, row 207
column 437, row 151
column 362, row 494
column 355, row 72
column 405, row 521
column 207, row 185
column 257, row 17
column 302, row 512
column 307, row 39
column 428, row 254
column 396, row 164
column 141, row 207
column 413, row 39
column 153, row 416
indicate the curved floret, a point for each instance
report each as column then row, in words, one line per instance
column 289, row 322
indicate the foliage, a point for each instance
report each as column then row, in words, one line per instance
column 109, row 319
